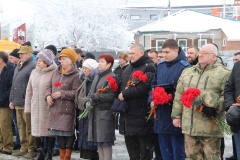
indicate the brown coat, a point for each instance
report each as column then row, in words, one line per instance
column 35, row 99
column 62, row 113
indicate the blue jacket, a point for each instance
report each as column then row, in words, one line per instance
column 168, row 73
column 6, row 77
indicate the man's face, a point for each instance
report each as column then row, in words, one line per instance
column 171, row 54
column 161, row 56
column 13, row 59
column 191, row 55
column 135, row 54
column 206, row 56
column 153, row 56
column 236, row 58
column 24, row 56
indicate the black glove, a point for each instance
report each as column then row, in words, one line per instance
column 209, row 112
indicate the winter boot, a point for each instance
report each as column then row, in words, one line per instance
column 68, row 153
column 62, row 153
column 49, row 155
column 40, row 155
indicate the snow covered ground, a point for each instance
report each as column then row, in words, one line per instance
column 120, row 152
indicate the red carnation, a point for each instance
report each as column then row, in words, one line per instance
column 189, row 96
column 137, row 76
column 57, row 84
column 160, row 97
column 112, row 83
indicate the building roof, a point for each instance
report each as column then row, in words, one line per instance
column 175, row 3
column 193, row 22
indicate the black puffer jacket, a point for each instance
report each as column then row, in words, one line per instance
column 134, row 121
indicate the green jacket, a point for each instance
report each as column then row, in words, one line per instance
column 211, row 82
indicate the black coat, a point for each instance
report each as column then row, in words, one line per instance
column 6, row 78
column 134, row 121
column 232, row 88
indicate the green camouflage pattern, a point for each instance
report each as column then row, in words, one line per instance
column 211, row 81
column 202, row 148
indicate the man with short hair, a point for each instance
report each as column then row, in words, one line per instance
column 192, row 55
column 236, row 57
column 202, row 136
column 6, row 76
column 17, row 100
column 79, row 58
column 170, row 138
column 153, row 55
column 133, row 124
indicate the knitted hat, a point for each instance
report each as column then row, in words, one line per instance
column 70, row 53
column 52, row 48
column 123, row 56
column 25, row 49
column 14, row 53
column 47, row 56
column 90, row 63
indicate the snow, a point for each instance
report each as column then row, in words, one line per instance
column 192, row 21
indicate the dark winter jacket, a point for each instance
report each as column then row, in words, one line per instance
column 6, row 77
column 134, row 122
column 62, row 113
column 118, row 70
column 101, row 119
column 83, row 144
column 168, row 73
column 20, row 81
column 232, row 88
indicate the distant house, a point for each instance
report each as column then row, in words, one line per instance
column 191, row 28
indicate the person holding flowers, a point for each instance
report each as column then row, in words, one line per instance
column 199, row 104
column 101, row 120
column 60, row 95
column 35, row 102
column 135, row 85
column 171, row 139
column 89, row 70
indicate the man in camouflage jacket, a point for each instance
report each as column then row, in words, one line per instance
column 202, row 136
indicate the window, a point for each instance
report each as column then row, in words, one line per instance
column 201, row 42
column 224, row 42
column 159, row 44
column 153, row 16
column 183, row 44
column 135, row 17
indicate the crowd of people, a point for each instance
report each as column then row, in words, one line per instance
column 59, row 103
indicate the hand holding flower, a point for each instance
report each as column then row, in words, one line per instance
column 120, row 96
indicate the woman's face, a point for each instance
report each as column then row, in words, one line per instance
column 65, row 62
column 86, row 71
column 103, row 65
column 41, row 64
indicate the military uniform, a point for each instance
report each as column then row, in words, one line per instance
column 201, row 138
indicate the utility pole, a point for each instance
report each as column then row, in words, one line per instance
column 224, row 8
column 169, row 7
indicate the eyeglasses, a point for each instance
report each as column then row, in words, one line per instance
column 203, row 53
column 160, row 56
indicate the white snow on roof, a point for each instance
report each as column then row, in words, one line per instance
column 191, row 21
column 176, row 3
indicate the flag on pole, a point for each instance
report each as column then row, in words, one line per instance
column 20, row 34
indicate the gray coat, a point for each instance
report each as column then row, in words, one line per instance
column 101, row 119
column 20, row 81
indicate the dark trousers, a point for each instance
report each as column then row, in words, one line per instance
column 172, row 146
column 222, row 147
column 139, row 147
column 158, row 155
column 234, row 147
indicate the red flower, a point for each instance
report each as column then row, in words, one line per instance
column 140, row 76
column 112, row 83
column 189, row 96
column 57, row 84
column 160, row 97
